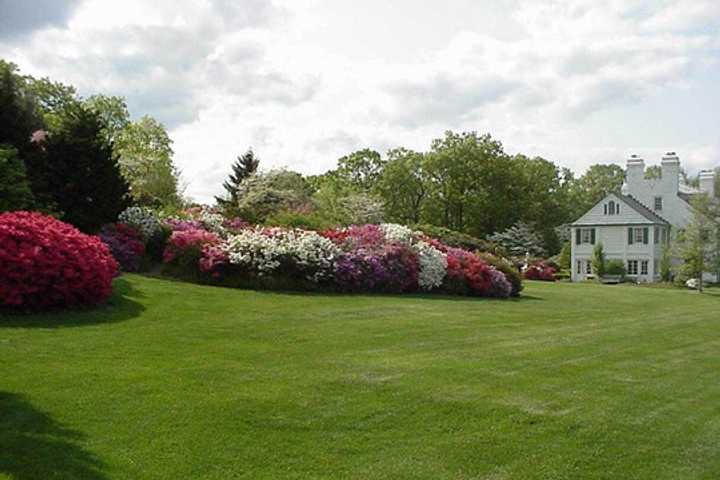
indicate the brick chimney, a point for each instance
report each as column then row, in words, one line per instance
column 671, row 172
column 707, row 182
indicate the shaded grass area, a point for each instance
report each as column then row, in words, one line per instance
column 173, row 380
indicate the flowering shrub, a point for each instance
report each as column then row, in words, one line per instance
column 299, row 252
column 469, row 274
column 186, row 246
column 125, row 244
column 394, row 268
column 398, row 233
column 47, row 263
column 181, row 225
column 433, row 265
column 540, row 271
column 142, row 219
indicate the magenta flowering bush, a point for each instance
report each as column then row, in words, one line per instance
column 185, row 247
column 126, row 245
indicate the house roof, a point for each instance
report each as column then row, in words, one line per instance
column 648, row 215
column 642, row 209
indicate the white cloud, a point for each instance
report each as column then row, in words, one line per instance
column 307, row 81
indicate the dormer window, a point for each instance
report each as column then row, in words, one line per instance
column 612, row 208
column 658, row 203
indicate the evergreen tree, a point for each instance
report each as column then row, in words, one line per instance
column 15, row 193
column 244, row 167
column 76, row 171
column 598, row 260
column 519, row 240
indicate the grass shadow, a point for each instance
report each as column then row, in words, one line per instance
column 34, row 446
column 122, row 305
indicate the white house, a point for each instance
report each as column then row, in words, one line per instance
column 634, row 224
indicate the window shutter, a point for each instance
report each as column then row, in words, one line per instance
column 606, row 209
column 645, row 235
column 630, row 236
column 592, row 236
column 577, row 236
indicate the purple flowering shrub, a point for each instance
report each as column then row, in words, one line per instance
column 126, row 245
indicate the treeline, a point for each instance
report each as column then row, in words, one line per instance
column 82, row 159
column 465, row 182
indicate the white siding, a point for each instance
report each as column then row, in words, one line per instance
column 597, row 216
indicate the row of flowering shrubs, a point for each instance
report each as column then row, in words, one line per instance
column 46, row 263
column 366, row 258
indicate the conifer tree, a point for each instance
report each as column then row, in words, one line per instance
column 244, row 167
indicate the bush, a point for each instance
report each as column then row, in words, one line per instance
column 47, row 263
column 467, row 274
column 142, row 219
column 615, row 268
column 184, row 249
column 598, row 261
column 125, row 243
column 456, row 239
column 540, row 271
column 298, row 219
column 507, row 268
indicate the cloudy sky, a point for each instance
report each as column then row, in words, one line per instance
column 305, row 81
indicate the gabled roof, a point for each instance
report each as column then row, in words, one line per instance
column 642, row 209
column 643, row 215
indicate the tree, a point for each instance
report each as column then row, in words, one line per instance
column 361, row 170
column 15, row 193
column 596, row 184
column 113, row 111
column 19, row 113
column 565, row 256
column 403, row 186
column 77, row 171
column 245, row 166
column 264, row 194
column 145, row 156
column 653, row 172
column 519, row 240
column 698, row 245
column 666, row 264
column 598, row 260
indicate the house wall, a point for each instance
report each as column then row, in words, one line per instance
column 615, row 243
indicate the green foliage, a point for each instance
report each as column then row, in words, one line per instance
column 145, row 155
column 593, row 186
column 666, row 264
column 565, row 256
column 404, row 186
column 245, row 166
column 653, row 172
column 615, row 268
column 19, row 114
column 520, row 240
column 458, row 239
column 598, row 260
column 360, row 170
column 698, row 245
column 114, row 113
column 77, row 172
column 15, row 193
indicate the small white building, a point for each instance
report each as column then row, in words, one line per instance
column 635, row 224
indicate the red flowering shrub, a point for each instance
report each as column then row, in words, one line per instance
column 540, row 271
column 468, row 274
column 47, row 263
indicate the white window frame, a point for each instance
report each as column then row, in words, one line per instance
column 644, row 267
column 633, row 267
column 579, row 267
column 586, row 235
column 588, row 267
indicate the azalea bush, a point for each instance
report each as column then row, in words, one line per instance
column 142, row 219
column 185, row 248
column 126, row 245
column 540, row 271
column 48, row 263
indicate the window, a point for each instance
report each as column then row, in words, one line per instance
column 632, row 267
column 664, row 235
column 644, row 267
column 658, row 203
column 656, row 235
column 612, row 208
column 638, row 235
column 588, row 267
column 584, row 235
column 579, row 267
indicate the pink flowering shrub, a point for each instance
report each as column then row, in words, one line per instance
column 468, row 274
column 47, row 263
column 540, row 271
column 186, row 246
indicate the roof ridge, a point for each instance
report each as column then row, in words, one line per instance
column 643, row 209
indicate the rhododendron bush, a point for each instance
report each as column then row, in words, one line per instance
column 361, row 258
column 125, row 243
column 47, row 263
column 539, row 271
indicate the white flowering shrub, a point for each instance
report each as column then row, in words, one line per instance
column 266, row 250
column 398, row 233
column 142, row 219
column 212, row 221
column 433, row 266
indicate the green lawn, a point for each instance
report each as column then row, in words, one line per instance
column 180, row 381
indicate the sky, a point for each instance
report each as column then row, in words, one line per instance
column 304, row 82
